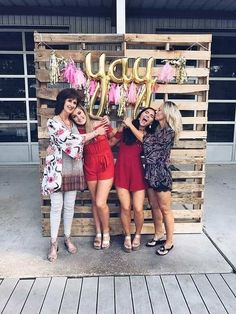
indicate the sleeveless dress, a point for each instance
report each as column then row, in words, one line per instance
column 129, row 172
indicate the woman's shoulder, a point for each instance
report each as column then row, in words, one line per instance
column 54, row 120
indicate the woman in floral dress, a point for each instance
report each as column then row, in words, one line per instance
column 63, row 174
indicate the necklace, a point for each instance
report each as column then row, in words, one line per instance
column 68, row 126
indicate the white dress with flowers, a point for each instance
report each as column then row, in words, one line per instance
column 64, row 168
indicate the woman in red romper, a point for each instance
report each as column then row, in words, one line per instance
column 99, row 173
column 129, row 177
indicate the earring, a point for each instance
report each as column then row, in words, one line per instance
column 150, row 126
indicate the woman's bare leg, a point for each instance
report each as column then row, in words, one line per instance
column 125, row 209
column 92, row 186
column 103, row 189
column 138, row 201
column 125, row 216
column 164, row 201
column 156, row 214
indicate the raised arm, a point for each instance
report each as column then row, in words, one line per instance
column 115, row 139
column 72, row 144
column 138, row 134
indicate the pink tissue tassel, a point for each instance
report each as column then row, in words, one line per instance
column 81, row 79
column 70, row 74
column 92, row 87
column 132, row 93
column 166, row 74
column 117, row 95
column 112, row 94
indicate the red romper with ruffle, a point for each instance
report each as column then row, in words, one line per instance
column 98, row 158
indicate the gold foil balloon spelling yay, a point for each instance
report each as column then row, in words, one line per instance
column 104, row 79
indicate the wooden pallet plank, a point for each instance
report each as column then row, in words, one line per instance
column 191, row 295
column 106, row 297
column 78, row 55
column 174, row 295
column 37, row 294
column 167, row 38
column 140, row 295
column 208, row 294
column 87, row 229
column 18, row 297
column 178, row 214
column 157, row 295
column 54, row 295
column 76, row 38
column 6, row 289
column 194, row 120
column 178, row 187
column 123, row 297
column 186, row 105
column 223, row 291
column 194, row 105
column 231, row 281
column 190, row 89
column 43, row 74
column 43, row 134
column 88, row 298
column 70, row 301
column 169, row 55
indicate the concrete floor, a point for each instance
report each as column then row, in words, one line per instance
column 23, row 249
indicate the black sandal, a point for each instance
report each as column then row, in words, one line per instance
column 154, row 242
column 163, row 251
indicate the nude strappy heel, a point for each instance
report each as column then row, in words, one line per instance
column 127, row 244
column 52, row 254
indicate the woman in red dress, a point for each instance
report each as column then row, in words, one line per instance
column 99, row 172
column 129, row 177
column 157, row 148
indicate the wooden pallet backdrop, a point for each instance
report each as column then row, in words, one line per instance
column 188, row 157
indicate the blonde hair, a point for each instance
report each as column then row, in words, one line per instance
column 173, row 117
column 89, row 119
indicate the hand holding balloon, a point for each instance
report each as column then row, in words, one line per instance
column 128, row 122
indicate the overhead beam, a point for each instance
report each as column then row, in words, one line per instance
column 107, row 12
column 164, row 13
column 57, row 10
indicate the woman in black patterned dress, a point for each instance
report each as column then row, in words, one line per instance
column 157, row 148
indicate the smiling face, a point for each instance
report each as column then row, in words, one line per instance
column 78, row 116
column 146, row 117
column 69, row 105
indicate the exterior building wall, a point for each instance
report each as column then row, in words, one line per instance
column 75, row 24
column 222, row 112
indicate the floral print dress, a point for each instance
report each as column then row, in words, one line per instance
column 157, row 148
column 64, row 168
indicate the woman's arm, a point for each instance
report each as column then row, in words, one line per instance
column 101, row 130
column 72, row 144
column 138, row 134
column 116, row 138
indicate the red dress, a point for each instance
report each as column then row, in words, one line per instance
column 129, row 172
column 98, row 158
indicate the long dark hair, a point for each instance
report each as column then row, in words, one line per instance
column 129, row 138
column 63, row 95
